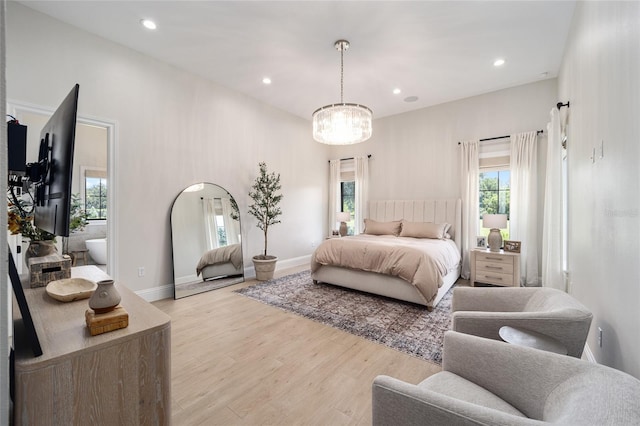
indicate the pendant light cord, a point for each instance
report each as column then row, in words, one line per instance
column 342, row 75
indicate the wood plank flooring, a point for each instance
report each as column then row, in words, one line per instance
column 236, row 361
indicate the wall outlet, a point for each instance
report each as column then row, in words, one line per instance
column 601, row 149
column 599, row 337
column 141, row 271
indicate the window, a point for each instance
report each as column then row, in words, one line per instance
column 348, row 202
column 494, row 196
column 222, row 233
column 95, row 194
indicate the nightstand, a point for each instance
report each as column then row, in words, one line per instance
column 495, row 267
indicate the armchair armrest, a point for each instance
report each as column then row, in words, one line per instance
column 395, row 402
column 503, row 299
column 569, row 331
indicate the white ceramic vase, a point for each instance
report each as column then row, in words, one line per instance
column 105, row 298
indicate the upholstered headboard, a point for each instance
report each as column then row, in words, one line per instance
column 447, row 210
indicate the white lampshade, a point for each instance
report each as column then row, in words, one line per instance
column 494, row 221
column 342, row 124
column 343, row 216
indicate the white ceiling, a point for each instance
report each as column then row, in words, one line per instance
column 438, row 51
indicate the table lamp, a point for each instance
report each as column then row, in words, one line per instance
column 495, row 222
column 343, row 218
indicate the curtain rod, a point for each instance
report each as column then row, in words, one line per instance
column 350, row 158
column 502, row 137
column 560, row 105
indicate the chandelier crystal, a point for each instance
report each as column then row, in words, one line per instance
column 343, row 123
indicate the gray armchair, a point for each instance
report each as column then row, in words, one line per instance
column 485, row 382
column 554, row 313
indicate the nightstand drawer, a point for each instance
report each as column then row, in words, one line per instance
column 498, row 268
column 494, row 278
column 489, row 257
column 503, row 268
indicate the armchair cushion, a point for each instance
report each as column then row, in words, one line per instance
column 483, row 311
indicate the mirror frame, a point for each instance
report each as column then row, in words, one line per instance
column 224, row 271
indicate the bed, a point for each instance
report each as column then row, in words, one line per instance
column 220, row 262
column 332, row 262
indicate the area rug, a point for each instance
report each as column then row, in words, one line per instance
column 403, row 326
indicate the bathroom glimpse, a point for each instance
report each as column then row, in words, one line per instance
column 88, row 244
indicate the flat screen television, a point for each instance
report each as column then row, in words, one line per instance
column 55, row 160
column 51, row 176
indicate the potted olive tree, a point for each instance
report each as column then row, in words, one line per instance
column 265, row 196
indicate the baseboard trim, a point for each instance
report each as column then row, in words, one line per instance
column 156, row 293
column 166, row 291
column 588, row 355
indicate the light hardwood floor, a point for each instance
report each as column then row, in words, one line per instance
column 236, row 361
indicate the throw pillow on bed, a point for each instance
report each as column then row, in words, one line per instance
column 424, row 229
column 373, row 227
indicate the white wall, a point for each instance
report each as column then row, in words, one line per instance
column 415, row 154
column 600, row 76
column 421, row 147
column 173, row 129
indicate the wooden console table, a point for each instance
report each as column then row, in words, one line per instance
column 122, row 377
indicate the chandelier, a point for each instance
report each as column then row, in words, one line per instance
column 342, row 124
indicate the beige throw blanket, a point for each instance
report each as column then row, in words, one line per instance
column 231, row 253
column 419, row 261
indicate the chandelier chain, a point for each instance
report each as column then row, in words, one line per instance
column 342, row 75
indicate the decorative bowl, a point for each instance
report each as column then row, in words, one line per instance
column 70, row 289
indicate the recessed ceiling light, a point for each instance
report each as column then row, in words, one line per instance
column 266, row 80
column 411, row 99
column 396, row 91
column 498, row 62
column 148, row 23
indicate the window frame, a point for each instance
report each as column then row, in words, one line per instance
column 83, row 191
column 488, row 169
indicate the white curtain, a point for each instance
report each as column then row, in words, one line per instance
column 470, row 174
column 210, row 229
column 523, row 206
column 231, row 226
column 552, row 232
column 334, row 193
column 361, row 193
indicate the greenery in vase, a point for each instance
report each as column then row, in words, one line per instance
column 20, row 221
column 264, row 193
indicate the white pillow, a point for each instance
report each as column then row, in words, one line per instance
column 372, row 227
column 424, row 229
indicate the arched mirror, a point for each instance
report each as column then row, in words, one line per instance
column 205, row 231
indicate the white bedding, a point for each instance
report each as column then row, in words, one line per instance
column 422, row 262
column 231, row 253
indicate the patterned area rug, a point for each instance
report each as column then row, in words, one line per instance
column 400, row 325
